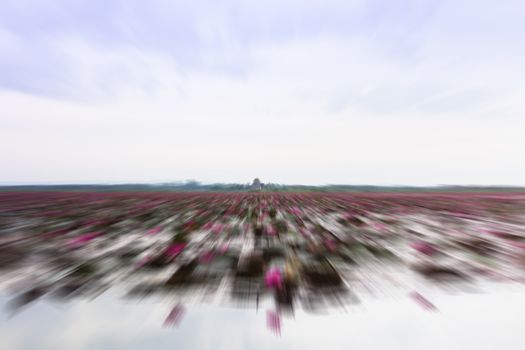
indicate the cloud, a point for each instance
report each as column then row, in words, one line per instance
column 344, row 92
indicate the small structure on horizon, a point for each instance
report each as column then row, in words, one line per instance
column 256, row 185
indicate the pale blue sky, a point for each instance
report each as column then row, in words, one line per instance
column 355, row 91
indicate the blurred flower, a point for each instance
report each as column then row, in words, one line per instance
column 422, row 301
column 273, row 322
column 423, row 247
column 175, row 315
column 175, row 249
column 273, row 278
column 154, row 230
column 83, row 239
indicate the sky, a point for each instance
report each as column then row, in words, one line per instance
column 304, row 92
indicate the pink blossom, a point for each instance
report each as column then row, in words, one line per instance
column 273, row 278
column 154, row 231
column 175, row 249
column 330, row 244
column 224, row 248
column 379, row 226
column 83, row 239
column 217, row 228
column 273, row 322
column 422, row 301
column 423, row 247
column 175, row 316
column 520, row 245
column 296, row 211
column 207, row 257
column 143, row 261
column 497, row 234
column 271, row 231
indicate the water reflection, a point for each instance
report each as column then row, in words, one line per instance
column 474, row 321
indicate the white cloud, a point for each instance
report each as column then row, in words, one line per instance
column 319, row 108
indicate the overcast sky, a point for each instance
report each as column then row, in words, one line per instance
column 312, row 92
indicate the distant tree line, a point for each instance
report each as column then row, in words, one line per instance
column 195, row 186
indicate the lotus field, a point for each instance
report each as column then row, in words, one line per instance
column 279, row 252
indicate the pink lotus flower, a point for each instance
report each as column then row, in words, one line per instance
column 520, row 245
column 423, row 247
column 224, row 248
column 175, row 249
column 296, row 211
column 379, row 226
column 497, row 234
column 154, row 231
column 271, row 231
column 143, row 261
column 175, row 316
column 422, row 301
column 83, row 239
column 330, row 244
column 207, row 257
column 273, row 322
column 273, row 278
column 189, row 224
column 217, row 228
